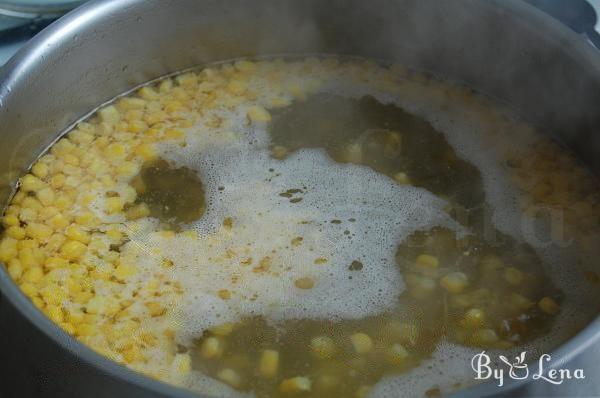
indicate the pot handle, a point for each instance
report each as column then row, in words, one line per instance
column 592, row 37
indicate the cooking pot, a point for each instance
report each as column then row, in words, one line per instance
column 505, row 49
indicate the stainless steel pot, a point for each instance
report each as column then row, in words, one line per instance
column 503, row 48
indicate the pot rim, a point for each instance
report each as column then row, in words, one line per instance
column 573, row 44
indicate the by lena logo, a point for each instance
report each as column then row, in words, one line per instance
column 518, row 369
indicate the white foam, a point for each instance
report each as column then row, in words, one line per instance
column 265, row 223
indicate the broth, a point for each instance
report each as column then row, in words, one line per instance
column 314, row 227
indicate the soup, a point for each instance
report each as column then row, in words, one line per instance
column 317, row 227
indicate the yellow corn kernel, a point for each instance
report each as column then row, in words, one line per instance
column 10, row 220
column 182, row 363
column 173, row 106
column 131, row 354
column 165, row 86
column 38, row 231
column 155, row 308
column 72, row 249
column 109, row 114
column 15, row 232
column 322, row 347
column 397, row 354
column 279, row 152
column 48, row 212
column 71, row 159
column 85, row 329
column 115, row 151
column 67, row 327
column 549, row 306
column 128, row 169
column 485, row 337
column 8, row 249
column 55, row 313
column 57, row 180
column 82, row 138
column 53, row 294
column 258, row 114
column 230, row 377
column 87, row 219
column 29, row 289
column 427, row 263
column 520, row 302
column 173, row 134
column 40, row 170
column 237, row 87
column 513, row 276
column 224, row 329
column 149, row 339
column 127, row 103
column 38, row 302
column 295, row 385
column 114, row 235
column 212, row 348
column 113, row 205
column 402, row 178
column 30, row 183
column 28, row 214
column 15, row 270
column 33, row 275
column 102, row 305
column 148, row 93
column 455, row 282
column 62, row 202
column 124, row 271
column 473, row 318
column 146, row 152
column 269, row 363
column 361, row 342
column 75, row 232
column 58, row 221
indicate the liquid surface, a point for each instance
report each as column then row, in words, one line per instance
column 309, row 228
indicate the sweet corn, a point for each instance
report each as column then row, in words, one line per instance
column 397, row 354
column 30, row 183
column 224, row 329
column 230, row 377
column 72, row 249
column 109, row 114
column 114, row 205
column 295, row 385
column 33, row 274
column 269, row 363
column 549, row 306
column 322, row 347
column 75, row 232
column 454, row 282
column 473, row 318
column 402, row 178
column 258, row 114
column 182, row 363
column 38, row 231
column 427, row 264
column 361, row 342
column 15, row 232
column 513, row 276
column 212, row 348
column 15, row 270
column 40, row 170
